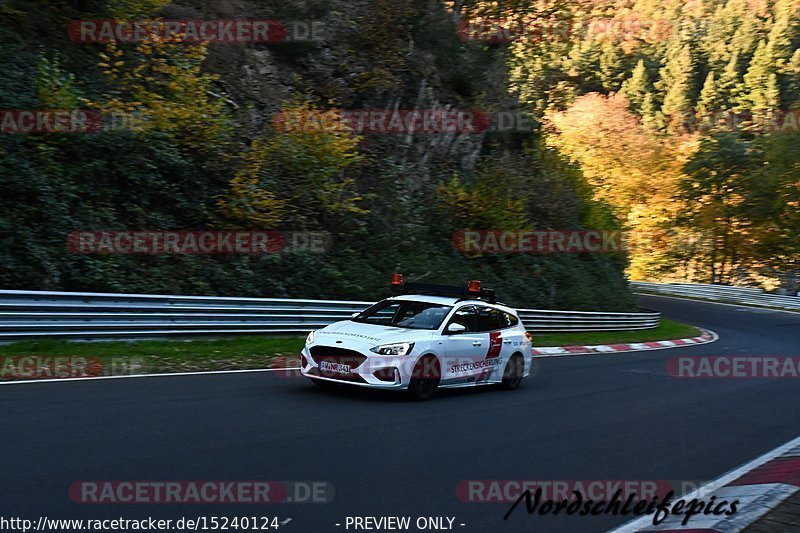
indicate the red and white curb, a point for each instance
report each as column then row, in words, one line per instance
column 556, row 351
column 760, row 486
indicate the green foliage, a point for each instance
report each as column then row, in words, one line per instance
column 55, row 87
column 136, row 9
column 710, row 100
column 488, row 204
column 790, row 89
column 677, row 83
column 730, row 83
column 637, row 87
column 298, row 175
column 611, row 66
column 760, row 81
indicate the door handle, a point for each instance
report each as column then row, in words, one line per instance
column 506, row 342
column 476, row 343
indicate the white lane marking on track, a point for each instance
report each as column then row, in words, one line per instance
column 647, row 521
column 172, row 374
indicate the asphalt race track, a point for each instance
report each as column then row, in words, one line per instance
column 600, row 417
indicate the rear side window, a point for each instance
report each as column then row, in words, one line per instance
column 489, row 319
column 509, row 320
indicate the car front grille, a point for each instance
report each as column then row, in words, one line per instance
column 336, row 355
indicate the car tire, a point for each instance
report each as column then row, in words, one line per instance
column 512, row 375
column 424, row 379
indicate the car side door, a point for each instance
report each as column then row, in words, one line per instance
column 491, row 323
column 463, row 350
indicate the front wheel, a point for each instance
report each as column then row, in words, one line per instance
column 512, row 375
column 425, row 379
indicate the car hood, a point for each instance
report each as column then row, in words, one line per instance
column 349, row 332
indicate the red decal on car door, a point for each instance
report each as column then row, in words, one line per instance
column 495, row 345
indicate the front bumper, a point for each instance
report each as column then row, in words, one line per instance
column 366, row 370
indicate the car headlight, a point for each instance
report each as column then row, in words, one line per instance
column 401, row 348
column 310, row 337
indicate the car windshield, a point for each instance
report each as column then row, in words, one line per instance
column 404, row 314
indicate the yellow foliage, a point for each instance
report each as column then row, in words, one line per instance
column 486, row 205
column 249, row 201
column 630, row 168
column 124, row 9
column 158, row 86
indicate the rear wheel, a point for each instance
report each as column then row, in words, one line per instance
column 425, row 379
column 512, row 375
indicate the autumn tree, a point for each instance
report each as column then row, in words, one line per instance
column 714, row 191
column 637, row 87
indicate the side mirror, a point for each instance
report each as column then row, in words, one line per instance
column 455, row 329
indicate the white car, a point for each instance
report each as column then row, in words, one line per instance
column 437, row 337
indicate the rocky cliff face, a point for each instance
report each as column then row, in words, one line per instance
column 375, row 54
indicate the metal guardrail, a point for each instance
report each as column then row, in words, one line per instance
column 96, row 316
column 720, row 293
column 548, row 321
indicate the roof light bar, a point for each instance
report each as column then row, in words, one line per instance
column 472, row 291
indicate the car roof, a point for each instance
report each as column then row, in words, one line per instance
column 442, row 300
column 445, row 300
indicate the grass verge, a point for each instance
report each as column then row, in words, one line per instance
column 242, row 353
column 156, row 356
column 668, row 330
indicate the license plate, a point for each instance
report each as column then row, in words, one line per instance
column 327, row 366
